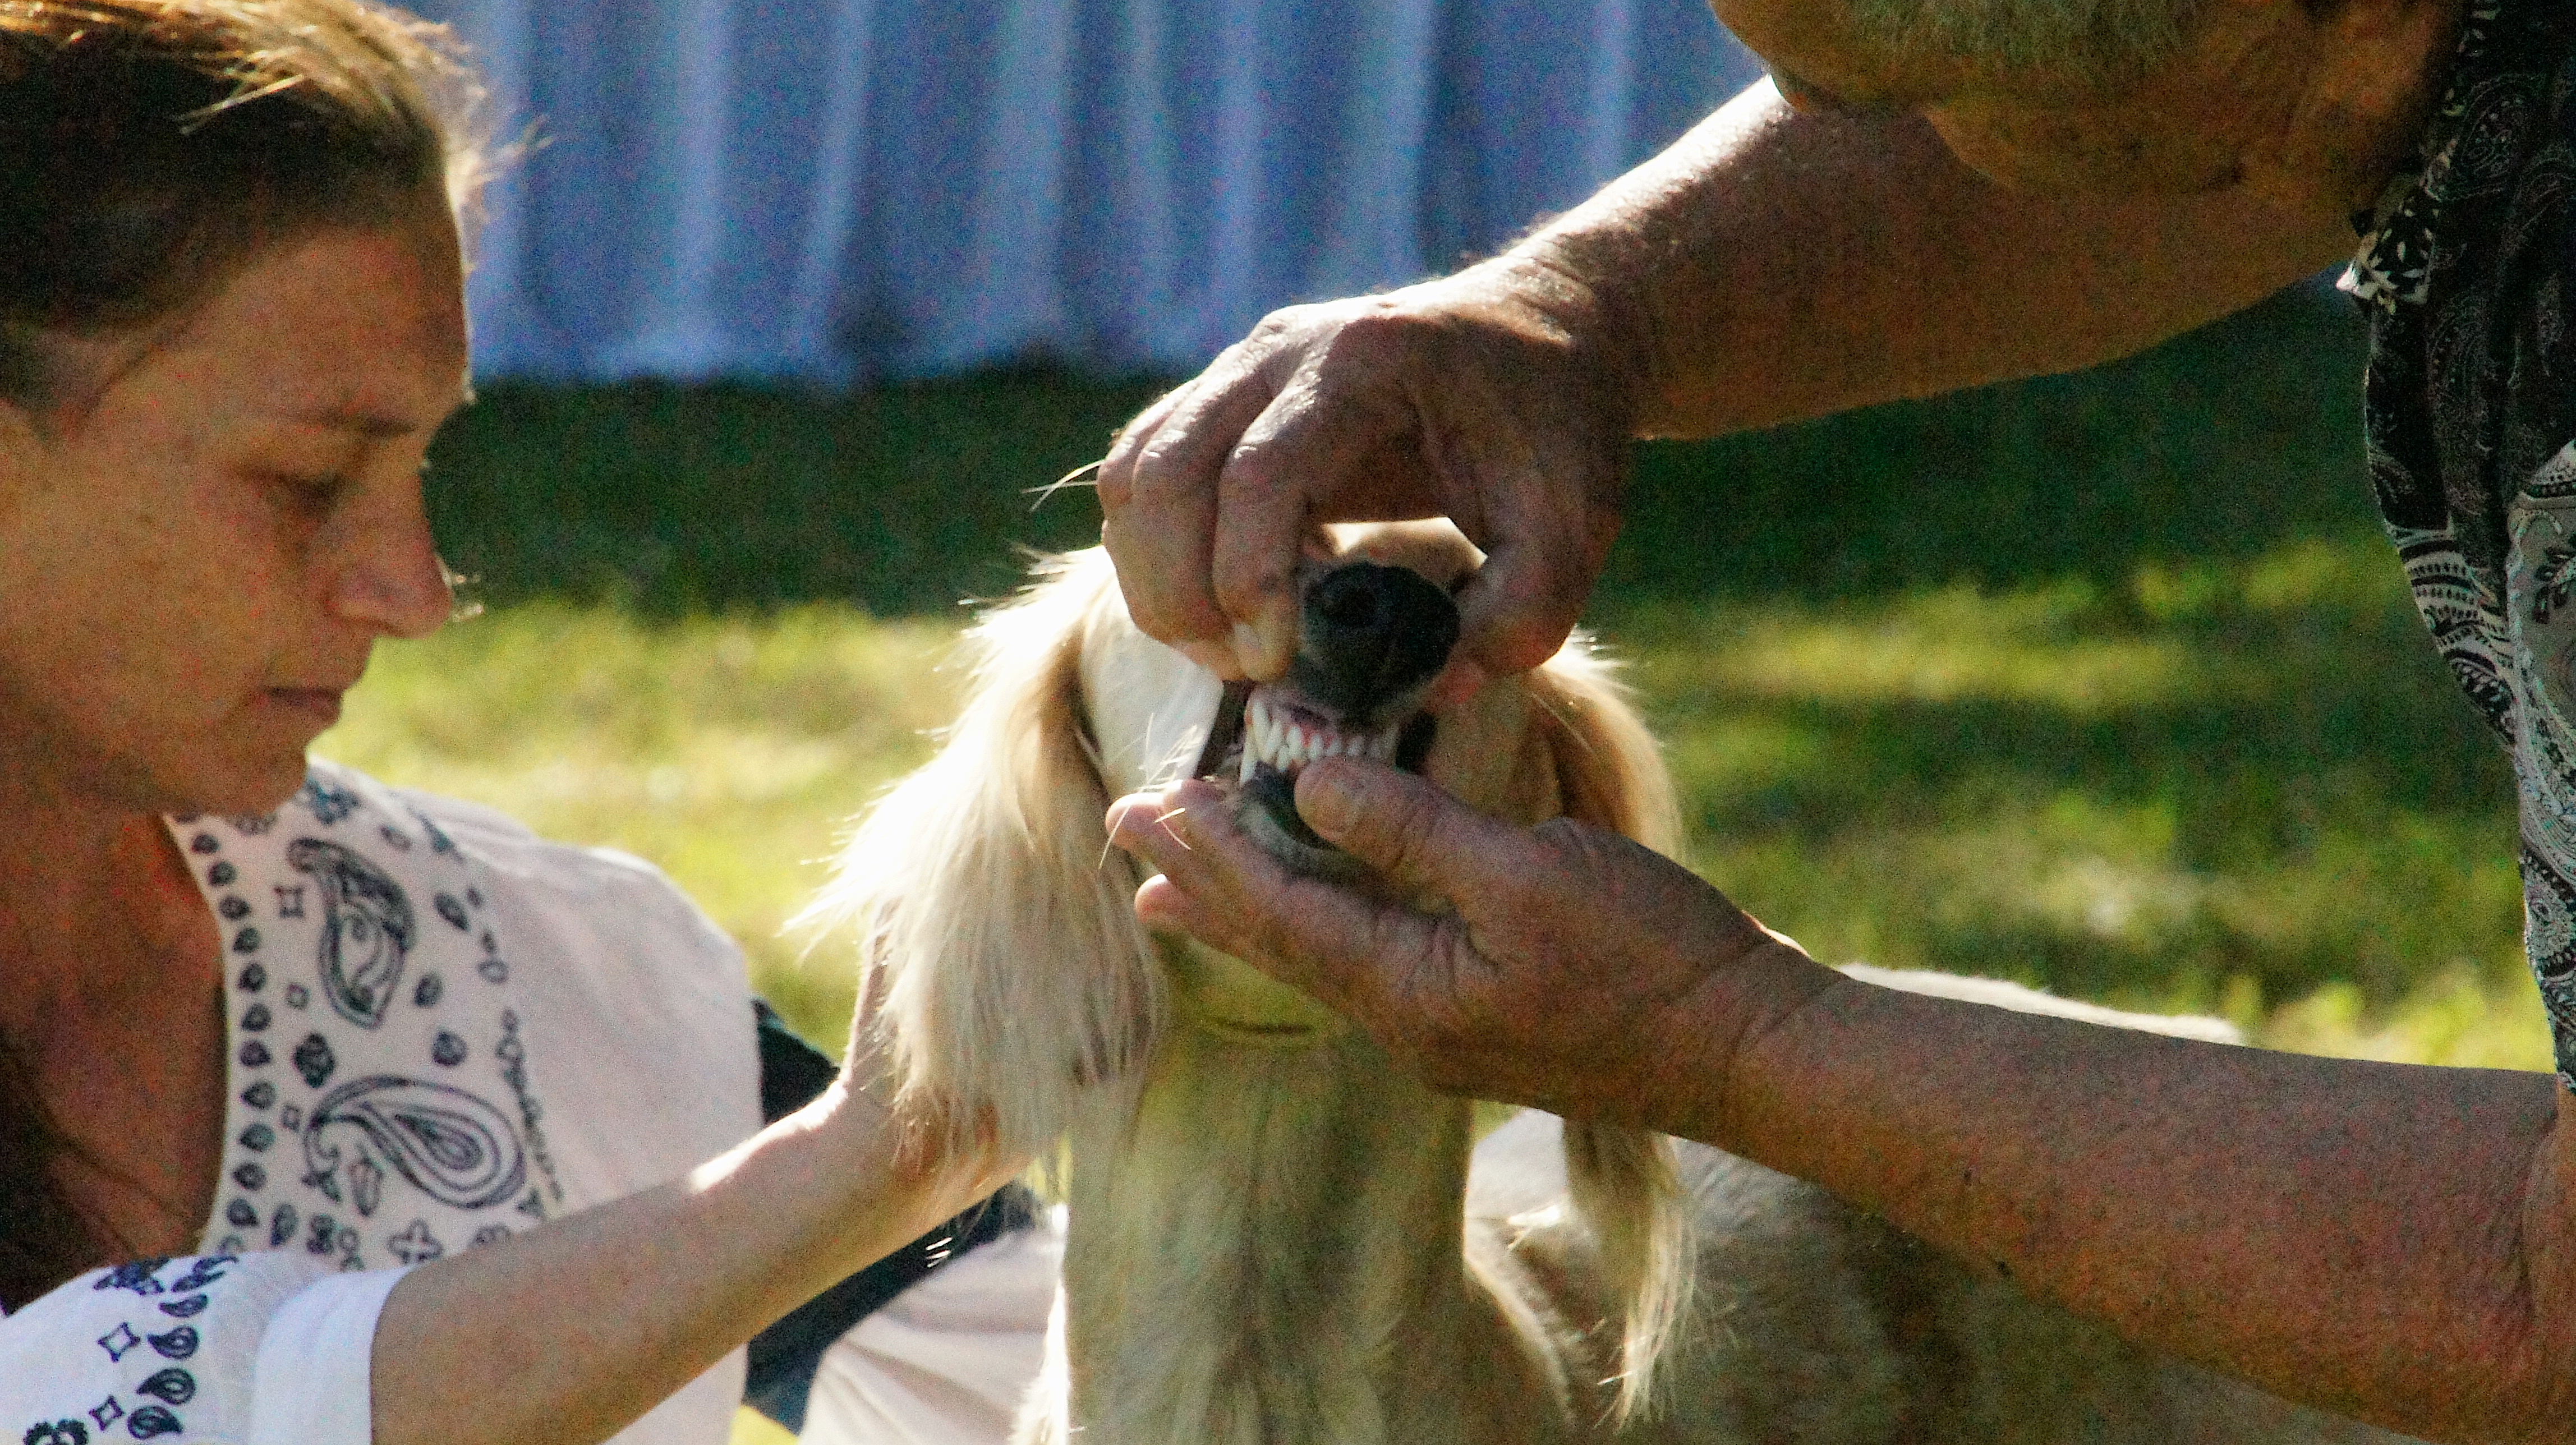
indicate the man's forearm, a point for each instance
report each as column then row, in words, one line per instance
column 1772, row 267
column 2387, row 1240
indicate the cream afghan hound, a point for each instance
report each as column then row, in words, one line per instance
column 1274, row 1237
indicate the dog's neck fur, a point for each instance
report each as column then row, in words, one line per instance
column 1270, row 1251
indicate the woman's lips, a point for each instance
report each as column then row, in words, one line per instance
column 321, row 704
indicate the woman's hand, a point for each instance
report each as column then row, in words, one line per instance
column 1498, row 398
column 1578, row 972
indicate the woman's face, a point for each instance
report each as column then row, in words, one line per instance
column 196, row 558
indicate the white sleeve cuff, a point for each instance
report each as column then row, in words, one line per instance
column 267, row 1349
column 312, row 1384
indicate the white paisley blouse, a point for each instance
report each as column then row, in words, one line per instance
column 442, row 1030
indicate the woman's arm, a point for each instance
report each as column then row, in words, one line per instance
column 572, row 1331
column 2387, row 1241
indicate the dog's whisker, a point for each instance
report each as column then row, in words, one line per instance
column 1074, row 478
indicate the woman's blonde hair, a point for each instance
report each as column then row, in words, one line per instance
column 149, row 147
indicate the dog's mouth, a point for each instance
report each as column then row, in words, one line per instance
column 1264, row 735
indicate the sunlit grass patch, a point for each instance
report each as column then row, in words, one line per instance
column 2227, row 786
column 728, row 750
column 1955, row 643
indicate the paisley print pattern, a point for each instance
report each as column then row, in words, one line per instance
column 366, row 929
column 451, row 1145
column 2467, row 274
column 382, row 1111
column 142, row 1351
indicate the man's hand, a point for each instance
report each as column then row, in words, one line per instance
column 1488, row 397
column 1579, row 972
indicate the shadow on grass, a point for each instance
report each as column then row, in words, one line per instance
column 673, row 499
column 2159, row 794
column 2221, row 444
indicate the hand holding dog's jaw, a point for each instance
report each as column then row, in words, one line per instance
column 1483, row 397
column 1578, row 971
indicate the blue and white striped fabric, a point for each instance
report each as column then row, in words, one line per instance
column 829, row 190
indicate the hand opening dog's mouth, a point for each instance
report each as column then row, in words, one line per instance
column 1370, row 640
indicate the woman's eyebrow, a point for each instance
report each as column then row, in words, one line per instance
column 365, row 421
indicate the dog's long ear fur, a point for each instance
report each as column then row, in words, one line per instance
column 995, row 923
column 1611, row 775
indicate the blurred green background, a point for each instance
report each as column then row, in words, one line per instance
column 2105, row 683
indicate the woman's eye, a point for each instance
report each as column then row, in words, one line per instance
column 314, row 492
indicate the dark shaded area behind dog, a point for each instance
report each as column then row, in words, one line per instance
column 905, row 499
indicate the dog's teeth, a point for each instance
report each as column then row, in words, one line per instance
column 1251, row 761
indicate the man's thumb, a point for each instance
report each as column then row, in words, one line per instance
column 1398, row 823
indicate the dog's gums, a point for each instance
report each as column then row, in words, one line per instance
column 1262, row 738
column 1372, row 636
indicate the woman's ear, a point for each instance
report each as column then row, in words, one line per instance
column 996, row 922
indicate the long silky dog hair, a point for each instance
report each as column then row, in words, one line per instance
column 997, row 929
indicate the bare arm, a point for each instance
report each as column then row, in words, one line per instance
column 2382, row 1240
column 2391, row 1242
column 1781, row 266
column 1770, row 266
column 570, row 1332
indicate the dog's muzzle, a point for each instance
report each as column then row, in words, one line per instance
column 1370, row 638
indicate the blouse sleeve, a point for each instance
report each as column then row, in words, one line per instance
column 266, row 1349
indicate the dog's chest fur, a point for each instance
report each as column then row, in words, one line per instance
column 1268, row 1252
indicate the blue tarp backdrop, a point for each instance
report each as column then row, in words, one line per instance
column 830, row 190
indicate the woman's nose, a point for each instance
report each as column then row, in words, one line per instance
column 391, row 579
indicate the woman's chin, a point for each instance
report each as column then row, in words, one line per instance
column 245, row 787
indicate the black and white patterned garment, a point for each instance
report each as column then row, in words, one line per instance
column 380, row 1111
column 443, row 1030
column 2468, row 275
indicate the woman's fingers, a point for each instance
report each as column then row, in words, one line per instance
column 1571, row 968
column 1323, row 450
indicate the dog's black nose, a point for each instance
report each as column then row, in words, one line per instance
column 1370, row 635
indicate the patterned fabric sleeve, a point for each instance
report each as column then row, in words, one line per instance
column 266, row 1349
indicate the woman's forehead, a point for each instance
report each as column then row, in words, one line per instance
column 352, row 329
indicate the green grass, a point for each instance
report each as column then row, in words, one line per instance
column 726, row 749
column 2105, row 683
column 673, row 500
